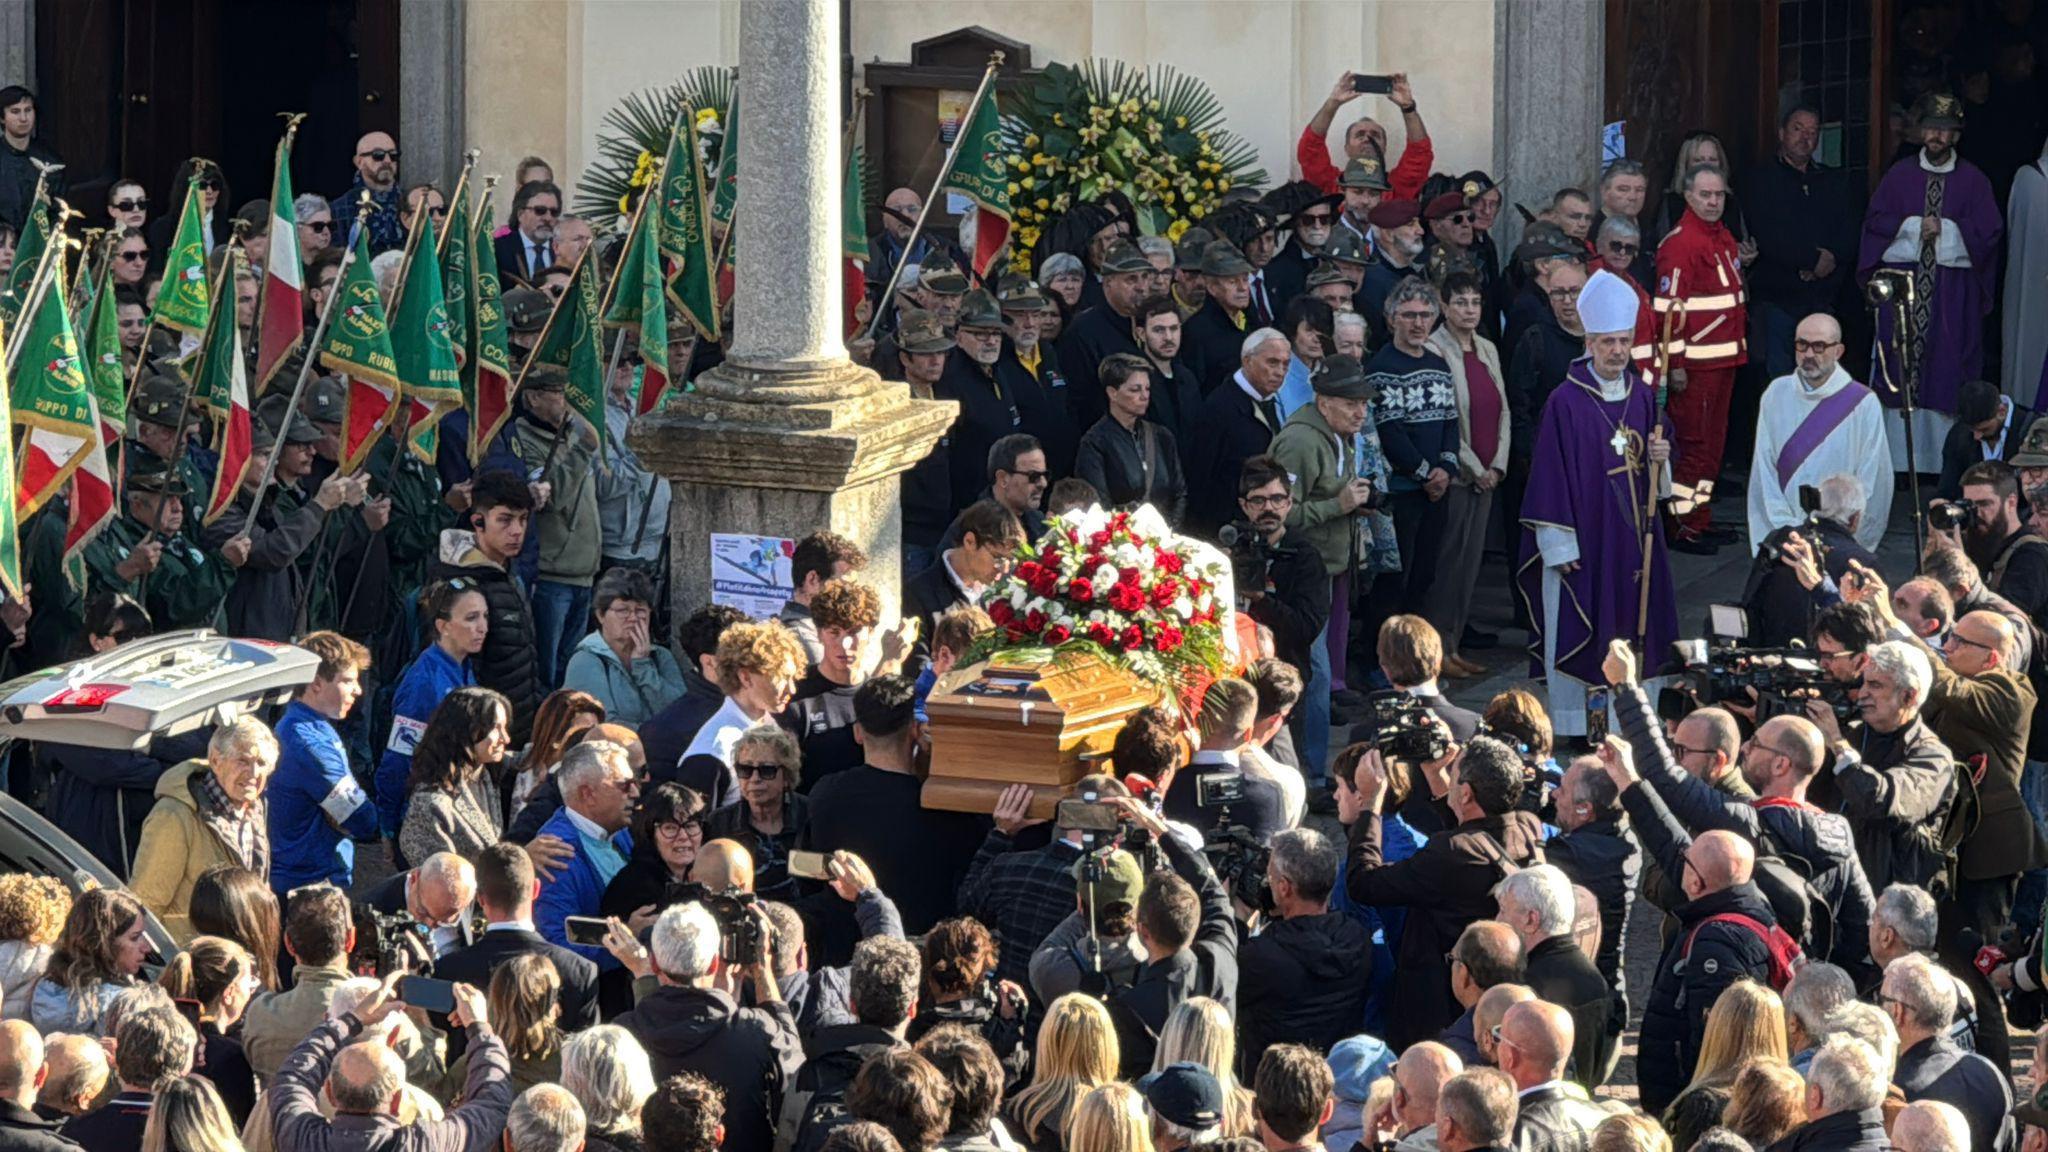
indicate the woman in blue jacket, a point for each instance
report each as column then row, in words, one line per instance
column 458, row 617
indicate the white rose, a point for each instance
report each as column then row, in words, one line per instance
column 1019, row 596
column 1183, row 608
column 1103, row 578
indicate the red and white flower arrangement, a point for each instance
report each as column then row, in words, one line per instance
column 1118, row 585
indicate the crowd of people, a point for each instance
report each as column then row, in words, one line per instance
column 660, row 878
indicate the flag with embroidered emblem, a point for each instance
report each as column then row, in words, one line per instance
column 358, row 345
column 423, row 341
column 220, row 382
column 488, row 375
column 639, row 301
column 683, row 231
column 51, row 399
column 978, row 175
column 182, row 302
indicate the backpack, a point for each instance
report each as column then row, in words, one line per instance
column 1965, row 812
column 816, row 1101
column 1785, row 879
column 1786, row 957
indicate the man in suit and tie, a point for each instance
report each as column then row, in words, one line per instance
column 1238, row 421
column 530, row 246
column 1989, row 426
column 505, row 891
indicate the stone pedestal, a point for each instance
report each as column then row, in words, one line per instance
column 788, row 436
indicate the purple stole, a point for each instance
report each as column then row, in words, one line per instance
column 1816, row 428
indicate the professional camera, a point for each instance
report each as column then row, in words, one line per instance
column 1783, row 679
column 1947, row 515
column 1772, row 550
column 1249, row 553
column 388, row 942
column 1404, row 729
column 1240, row 862
column 739, row 935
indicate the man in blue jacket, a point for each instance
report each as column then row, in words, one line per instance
column 317, row 810
column 598, row 792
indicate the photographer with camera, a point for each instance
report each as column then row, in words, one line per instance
column 1200, row 793
column 2013, row 556
column 1024, row 895
column 692, row 1021
column 1411, row 654
column 1303, row 977
column 1779, row 763
column 1285, row 577
column 1448, row 883
column 1982, row 707
column 1778, row 597
column 436, row 896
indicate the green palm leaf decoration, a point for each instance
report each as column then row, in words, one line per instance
column 633, row 135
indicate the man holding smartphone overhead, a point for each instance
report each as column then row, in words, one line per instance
column 1366, row 135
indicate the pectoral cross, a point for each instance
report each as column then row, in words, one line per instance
column 1620, row 442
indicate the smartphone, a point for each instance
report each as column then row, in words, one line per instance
column 425, row 992
column 1087, row 815
column 586, row 929
column 809, row 865
column 1372, row 85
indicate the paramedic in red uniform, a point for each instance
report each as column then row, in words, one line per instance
column 1700, row 268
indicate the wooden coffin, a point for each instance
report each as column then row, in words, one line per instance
column 1045, row 725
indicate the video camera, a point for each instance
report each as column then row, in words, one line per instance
column 732, row 909
column 1233, row 851
column 1405, row 730
column 1102, row 824
column 1772, row 550
column 1248, row 551
column 388, row 942
column 1783, row 679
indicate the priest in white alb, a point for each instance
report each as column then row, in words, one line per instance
column 1816, row 423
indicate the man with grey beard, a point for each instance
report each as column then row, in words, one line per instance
column 1397, row 255
column 997, row 395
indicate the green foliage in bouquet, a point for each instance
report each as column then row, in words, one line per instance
column 633, row 136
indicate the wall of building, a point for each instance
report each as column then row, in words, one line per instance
column 541, row 74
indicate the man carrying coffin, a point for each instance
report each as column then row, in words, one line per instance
column 1816, row 423
column 1586, row 514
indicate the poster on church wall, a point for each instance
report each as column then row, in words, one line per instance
column 751, row 573
column 952, row 112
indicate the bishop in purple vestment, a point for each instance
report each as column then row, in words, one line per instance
column 1580, row 568
column 1935, row 218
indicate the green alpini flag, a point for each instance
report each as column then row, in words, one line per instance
column 684, row 238
column 725, row 186
column 853, row 229
column 978, row 174
column 571, row 342
column 103, row 365
column 10, row 536
column 640, row 302
column 28, row 253
column 422, row 341
column 182, row 302
column 456, row 274
column 487, row 375
column 358, row 345
column 50, row 398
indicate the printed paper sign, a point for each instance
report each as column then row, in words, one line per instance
column 751, row 573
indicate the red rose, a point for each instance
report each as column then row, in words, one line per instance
column 1058, row 634
column 1029, row 571
column 1169, row 562
column 1100, row 633
column 1050, row 557
column 1089, row 564
column 1165, row 592
column 1045, row 583
column 1125, row 597
column 1034, row 621
column 1133, row 637
column 1168, row 638
column 1080, row 590
column 1000, row 612
column 1015, row 633
column 1100, row 539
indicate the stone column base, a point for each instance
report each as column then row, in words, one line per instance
column 787, row 454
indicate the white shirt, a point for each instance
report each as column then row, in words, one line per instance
column 587, row 826
column 1992, row 449
column 534, row 249
column 511, row 925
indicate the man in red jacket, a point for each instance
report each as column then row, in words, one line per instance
column 1700, row 268
column 1365, row 135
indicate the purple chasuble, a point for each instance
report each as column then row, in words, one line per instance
column 1952, row 349
column 1577, row 481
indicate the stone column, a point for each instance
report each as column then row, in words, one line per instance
column 1549, row 60
column 788, row 436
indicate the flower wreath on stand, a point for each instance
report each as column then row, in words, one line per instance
column 1119, row 587
column 633, row 136
column 1155, row 134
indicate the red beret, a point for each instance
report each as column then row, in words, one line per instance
column 1393, row 213
column 1448, row 204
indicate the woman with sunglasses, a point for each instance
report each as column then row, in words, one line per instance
column 213, row 208
column 131, row 258
column 668, row 831
column 771, row 811
column 127, row 205
column 316, row 225
column 455, row 617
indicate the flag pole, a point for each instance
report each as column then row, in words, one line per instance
column 348, row 255
column 469, row 160
column 988, row 77
column 149, row 328
column 39, row 284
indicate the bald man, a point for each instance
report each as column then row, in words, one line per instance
column 21, row 1077
column 1419, row 1077
column 1488, row 953
column 1925, row 608
column 376, row 165
column 1490, row 1011
column 723, row 864
column 1779, row 763
column 899, row 213
column 1815, row 423
column 1536, row 1040
column 1726, row 931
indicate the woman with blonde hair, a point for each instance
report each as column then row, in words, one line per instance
column 1112, row 1118
column 1746, row 1024
column 1630, row 1132
column 221, row 976
column 188, row 1116
column 1200, row 1031
column 608, row 1072
column 524, row 1002
column 32, row 912
column 1766, row 1102
column 1077, row 1052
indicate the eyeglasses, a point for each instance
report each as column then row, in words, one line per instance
column 544, row 210
column 319, row 225
column 208, row 184
column 1683, row 751
column 766, row 770
column 1034, row 477
column 130, row 205
column 1623, row 246
column 1813, row 345
column 1412, row 316
column 133, row 256
column 629, row 785
column 1502, row 1040
column 677, row 829
column 1959, row 638
column 1316, row 220
column 437, row 211
column 461, row 583
column 1460, row 218
column 1280, row 501
column 379, row 154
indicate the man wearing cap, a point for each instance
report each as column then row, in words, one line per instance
column 1188, row 290
column 926, row 491
column 1816, row 423
column 1328, row 283
column 1397, row 255
column 1988, row 427
column 1308, row 214
column 1583, row 516
column 1025, row 310
column 997, row 397
column 146, row 554
column 1365, row 136
column 941, row 286
column 1449, row 221
column 1935, row 218
column 1544, row 247
column 1699, row 273
column 526, row 317
column 1185, row 1102
column 158, row 403
column 554, row 446
column 1318, row 447
column 271, row 587
column 1102, row 331
column 1212, row 338
column 349, row 572
column 1363, row 184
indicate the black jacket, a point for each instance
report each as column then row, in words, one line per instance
column 1446, row 885
column 1228, row 431
column 508, row 661
column 1559, row 973
column 1301, row 981
column 1206, row 967
column 263, row 601
column 1936, row 1069
column 832, row 1058
column 1780, row 608
column 1795, row 215
column 101, row 796
column 1543, row 352
column 1296, row 603
column 927, row 595
column 1701, row 960
column 1213, row 345
column 115, row 1126
column 1603, row 858
column 23, row 1131
column 1262, row 810
column 1820, row 843
column 745, row 1051
column 1553, row 1118
column 475, row 964
column 1842, row 1132
column 1094, row 336
column 1895, row 793
column 1961, row 448
column 666, row 735
column 1132, row 466
column 994, row 403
